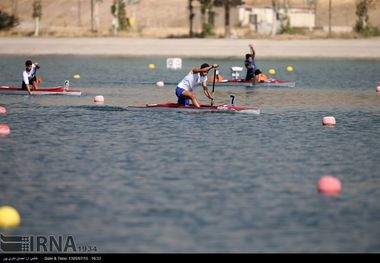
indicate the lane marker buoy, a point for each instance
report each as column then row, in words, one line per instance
column 4, row 130
column 3, row 110
column 329, row 185
column 272, row 71
column 329, row 121
column 9, row 217
column 99, row 99
column 160, row 83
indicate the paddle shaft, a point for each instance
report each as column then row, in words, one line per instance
column 213, row 86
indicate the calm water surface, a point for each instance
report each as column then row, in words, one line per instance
column 166, row 181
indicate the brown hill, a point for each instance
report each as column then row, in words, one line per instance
column 155, row 17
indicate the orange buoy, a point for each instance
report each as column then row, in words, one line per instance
column 329, row 121
column 329, row 185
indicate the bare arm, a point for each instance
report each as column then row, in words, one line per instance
column 201, row 70
column 206, row 91
column 29, row 88
column 252, row 50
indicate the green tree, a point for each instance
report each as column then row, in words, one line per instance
column 207, row 17
column 191, row 17
column 120, row 16
column 362, row 25
column 228, row 4
column 37, row 14
column 7, row 21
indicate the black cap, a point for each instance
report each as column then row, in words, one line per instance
column 28, row 63
column 205, row 65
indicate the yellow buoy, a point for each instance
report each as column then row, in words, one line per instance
column 272, row 71
column 9, row 217
column 76, row 76
column 152, row 66
column 289, row 68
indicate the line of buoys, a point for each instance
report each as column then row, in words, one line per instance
column 272, row 71
column 9, row 217
column 99, row 99
column 4, row 130
column 160, row 83
column 378, row 89
column 3, row 110
column 329, row 185
column 329, row 121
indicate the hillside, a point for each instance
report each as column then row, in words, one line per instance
column 152, row 17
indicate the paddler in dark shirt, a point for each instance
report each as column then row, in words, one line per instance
column 252, row 69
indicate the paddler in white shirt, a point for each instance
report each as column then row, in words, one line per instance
column 29, row 79
column 195, row 78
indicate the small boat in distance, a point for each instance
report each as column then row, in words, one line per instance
column 237, row 80
column 264, row 83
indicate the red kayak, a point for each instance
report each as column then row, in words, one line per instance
column 219, row 108
column 264, row 83
column 41, row 91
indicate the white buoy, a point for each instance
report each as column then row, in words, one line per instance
column 329, row 121
column 378, row 89
column 160, row 83
column 99, row 99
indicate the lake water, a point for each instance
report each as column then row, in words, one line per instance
column 167, row 181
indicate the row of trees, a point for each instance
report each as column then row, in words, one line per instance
column 120, row 21
column 118, row 11
column 207, row 15
column 362, row 25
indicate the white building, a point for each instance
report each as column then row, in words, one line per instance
column 261, row 19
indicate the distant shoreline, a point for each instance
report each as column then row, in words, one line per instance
column 197, row 48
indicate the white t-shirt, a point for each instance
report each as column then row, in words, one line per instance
column 26, row 76
column 191, row 81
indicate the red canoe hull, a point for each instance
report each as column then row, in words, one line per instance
column 219, row 108
column 41, row 91
column 266, row 83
